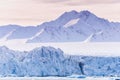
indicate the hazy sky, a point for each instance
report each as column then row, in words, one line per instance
column 33, row 12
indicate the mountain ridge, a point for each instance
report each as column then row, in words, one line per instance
column 71, row 26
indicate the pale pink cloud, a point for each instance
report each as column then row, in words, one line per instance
column 34, row 12
column 76, row 2
column 50, row 1
column 88, row 2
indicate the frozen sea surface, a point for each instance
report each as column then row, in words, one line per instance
column 58, row 78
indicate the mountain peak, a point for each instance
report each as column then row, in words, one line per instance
column 73, row 11
column 85, row 12
column 84, row 15
column 68, row 15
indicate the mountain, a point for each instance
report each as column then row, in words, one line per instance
column 79, row 26
column 71, row 26
column 17, row 32
column 4, row 30
column 65, row 31
column 48, row 61
column 23, row 32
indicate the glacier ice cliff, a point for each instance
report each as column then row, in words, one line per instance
column 48, row 61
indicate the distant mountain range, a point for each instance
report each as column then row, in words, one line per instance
column 71, row 26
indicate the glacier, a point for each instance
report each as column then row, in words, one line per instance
column 48, row 61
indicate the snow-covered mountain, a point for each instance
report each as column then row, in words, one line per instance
column 48, row 61
column 23, row 32
column 69, row 27
column 79, row 26
column 6, row 29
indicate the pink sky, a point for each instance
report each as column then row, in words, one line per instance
column 34, row 12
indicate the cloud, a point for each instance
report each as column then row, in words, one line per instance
column 30, row 12
column 78, row 2
column 89, row 2
column 55, row 0
column 49, row 1
column 19, row 19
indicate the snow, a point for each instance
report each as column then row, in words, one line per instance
column 44, row 61
column 69, row 27
column 7, row 35
column 98, row 33
column 37, row 34
column 49, row 61
column 77, row 27
column 6, row 29
column 71, row 22
column 23, row 32
column 88, row 39
column 76, row 76
column 55, row 78
column 82, row 34
column 73, row 48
